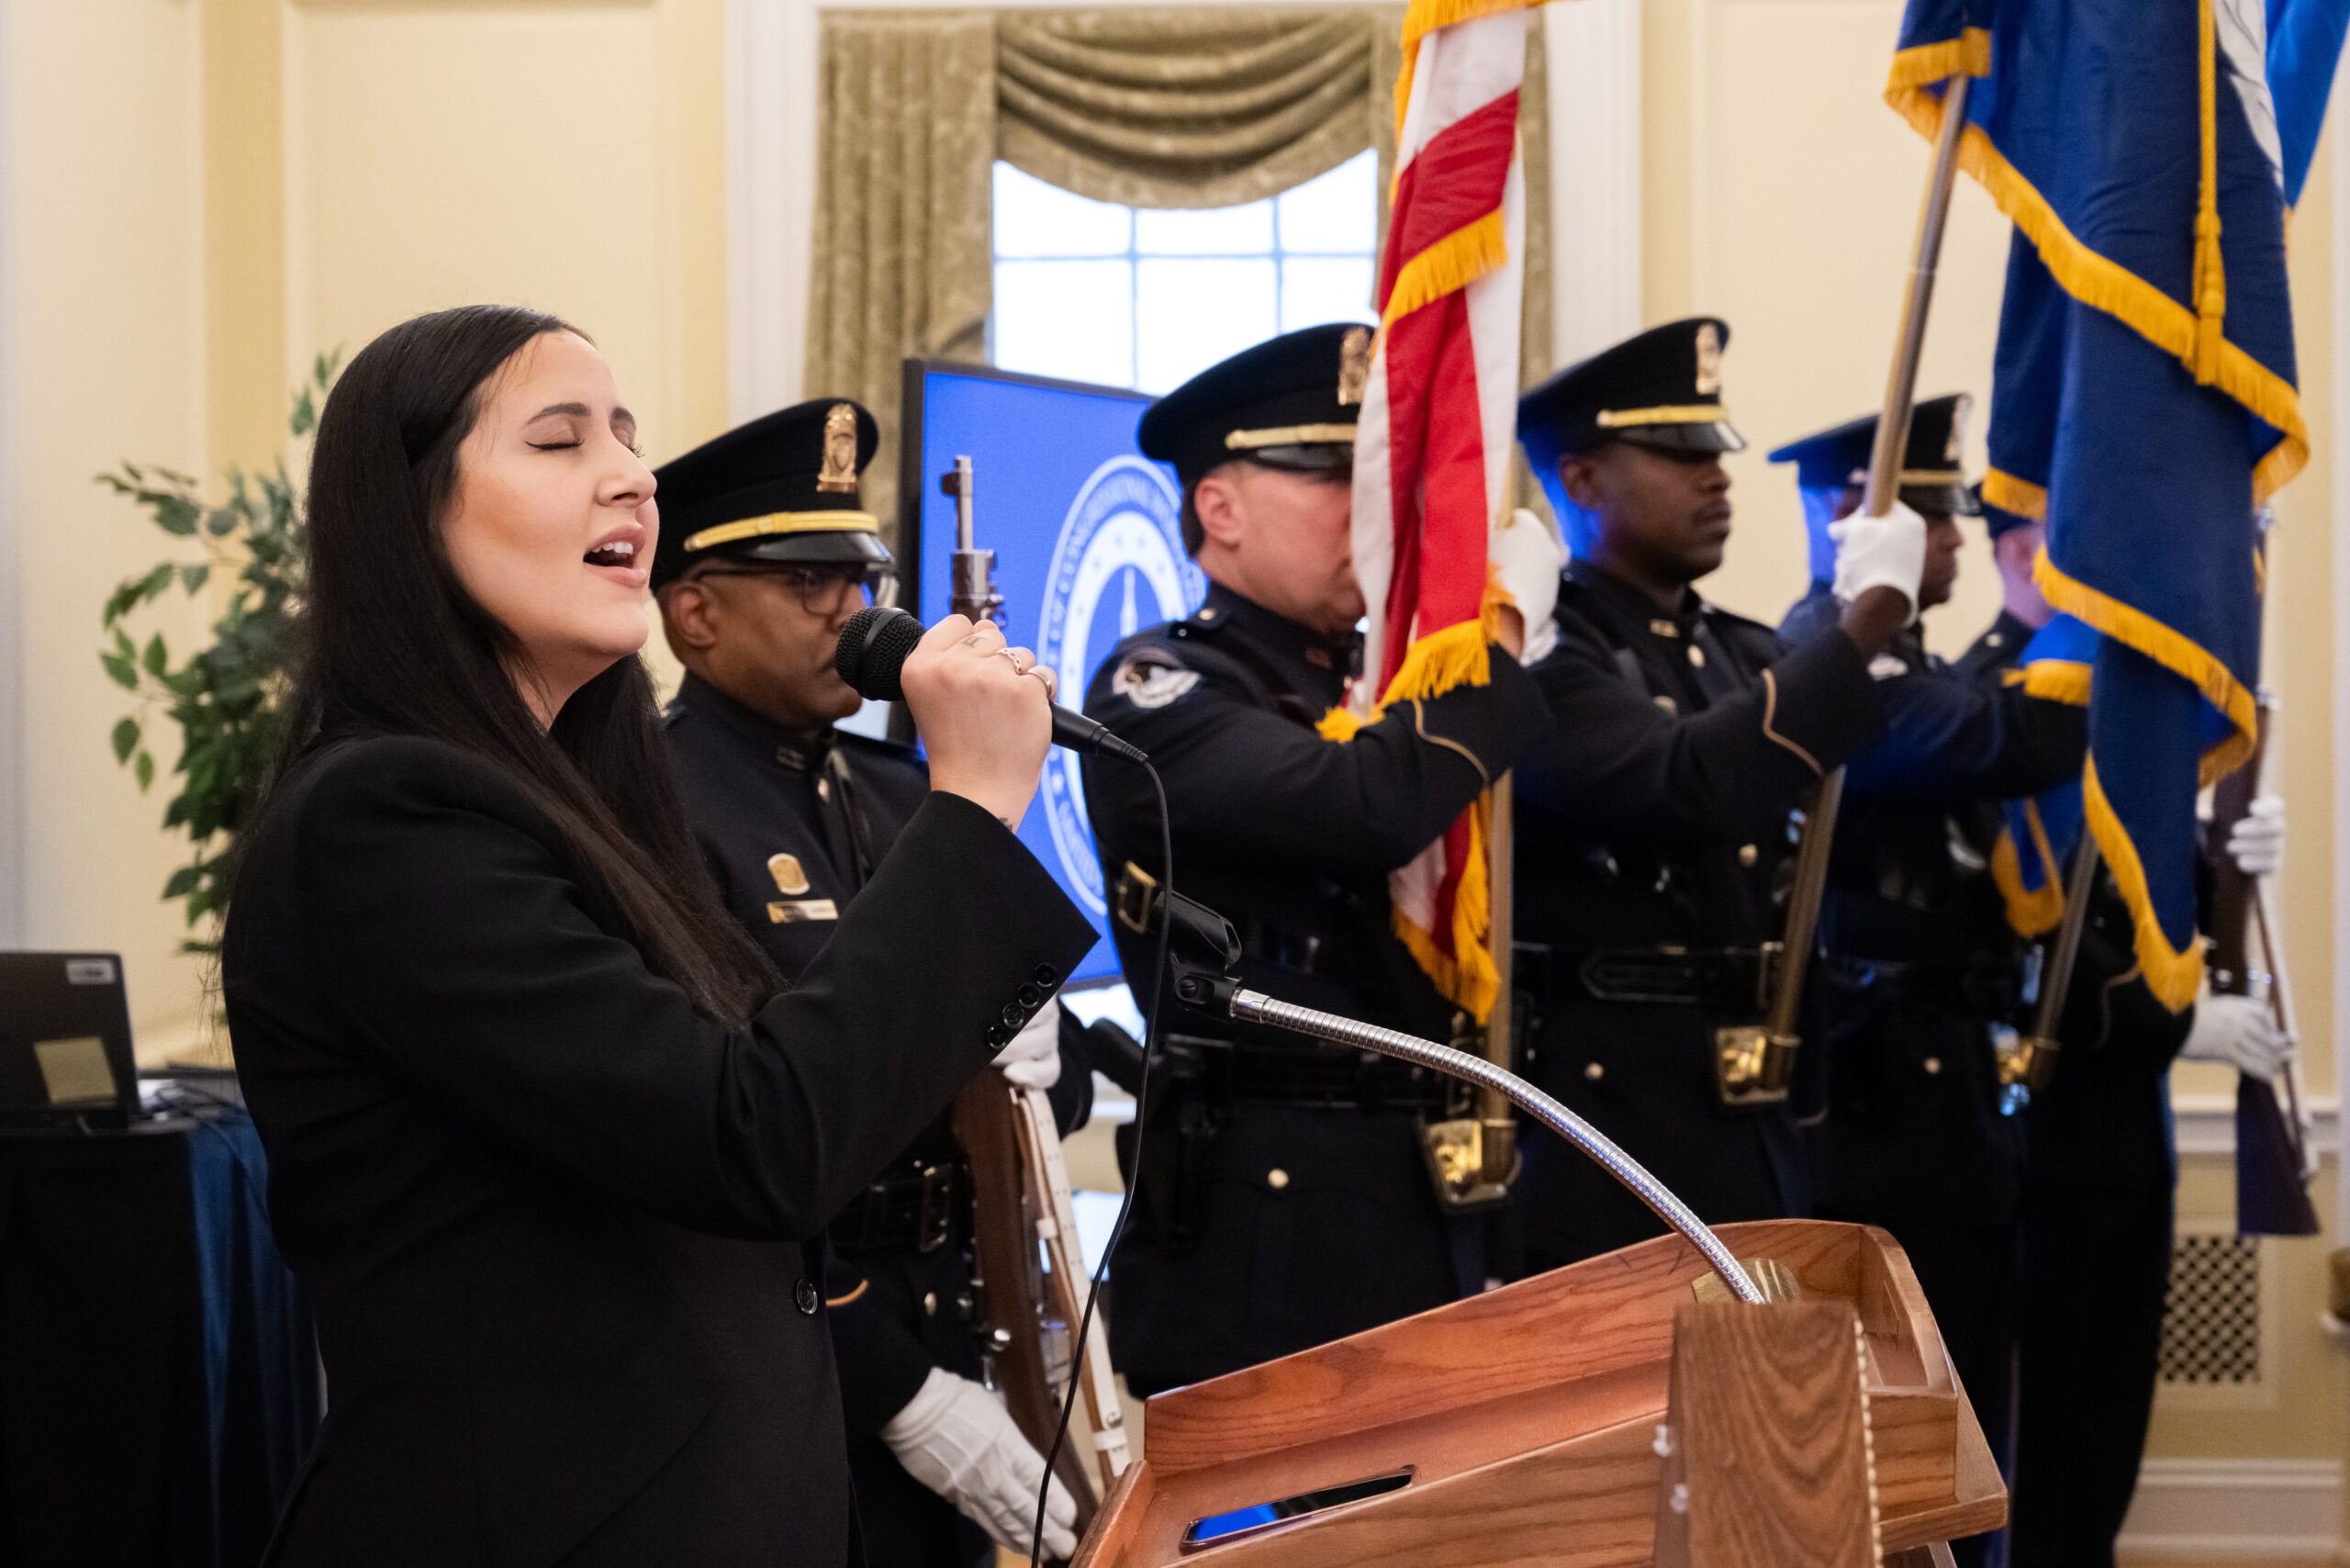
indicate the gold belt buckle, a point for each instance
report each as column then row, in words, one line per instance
column 1751, row 1065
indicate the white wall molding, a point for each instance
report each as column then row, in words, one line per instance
column 14, row 914
column 2207, row 1124
column 2341, row 447
column 1594, row 107
column 2243, row 1508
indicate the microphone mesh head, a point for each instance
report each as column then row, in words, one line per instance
column 873, row 649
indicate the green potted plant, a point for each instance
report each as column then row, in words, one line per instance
column 226, row 698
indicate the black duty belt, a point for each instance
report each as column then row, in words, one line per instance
column 1134, row 899
column 1318, row 1078
column 1982, row 985
column 916, row 1208
column 1336, row 1081
column 1730, row 978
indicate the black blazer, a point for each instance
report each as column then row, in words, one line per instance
column 555, row 1218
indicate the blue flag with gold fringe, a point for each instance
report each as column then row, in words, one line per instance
column 2144, row 398
column 2037, row 839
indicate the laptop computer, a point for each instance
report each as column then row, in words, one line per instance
column 65, row 1040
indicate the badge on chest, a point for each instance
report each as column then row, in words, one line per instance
column 790, row 876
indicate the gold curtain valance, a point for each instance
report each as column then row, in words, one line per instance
column 1196, row 106
column 1185, row 108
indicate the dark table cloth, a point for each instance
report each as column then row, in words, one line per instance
column 159, row 1381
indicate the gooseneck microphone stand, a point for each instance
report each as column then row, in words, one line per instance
column 1205, row 952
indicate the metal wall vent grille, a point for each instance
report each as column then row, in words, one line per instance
column 2212, row 1316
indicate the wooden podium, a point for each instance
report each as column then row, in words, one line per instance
column 1530, row 1424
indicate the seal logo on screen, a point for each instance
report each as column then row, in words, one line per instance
column 1117, row 568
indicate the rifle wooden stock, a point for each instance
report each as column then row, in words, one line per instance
column 1048, row 1180
column 1014, row 1311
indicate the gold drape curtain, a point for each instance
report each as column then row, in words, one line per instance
column 1192, row 107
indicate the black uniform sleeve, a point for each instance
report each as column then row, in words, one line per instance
column 1618, row 764
column 882, row 1363
column 466, row 962
column 1947, row 737
column 1072, row 1093
column 1366, row 805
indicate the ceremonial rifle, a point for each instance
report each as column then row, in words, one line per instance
column 1754, row 1062
column 1029, row 1302
column 2273, row 1160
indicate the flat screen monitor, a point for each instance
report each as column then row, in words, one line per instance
column 1088, row 550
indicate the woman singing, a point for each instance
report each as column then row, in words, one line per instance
column 544, row 1137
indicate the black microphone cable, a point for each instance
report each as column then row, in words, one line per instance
column 1151, row 1045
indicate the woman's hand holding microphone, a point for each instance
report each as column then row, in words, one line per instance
column 985, row 713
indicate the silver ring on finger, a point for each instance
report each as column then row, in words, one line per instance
column 1052, row 685
column 1013, row 654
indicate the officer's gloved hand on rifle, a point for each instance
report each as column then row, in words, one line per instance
column 1880, row 551
column 2257, row 844
column 1033, row 1060
column 957, row 1438
column 2238, row 1032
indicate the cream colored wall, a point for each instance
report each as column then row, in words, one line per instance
column 103, row 229
column 203, row 193
column 1781, row 193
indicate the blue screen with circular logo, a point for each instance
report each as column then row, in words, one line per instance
column 1088, row 551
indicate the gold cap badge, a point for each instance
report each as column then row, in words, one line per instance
column 1354, row 366
column 788, row 876
column 1709, row 360
column 839, row 471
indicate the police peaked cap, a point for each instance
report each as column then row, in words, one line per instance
column 1290, row 402
column 782, row 487
column 1931, row 479
column 1661, row 388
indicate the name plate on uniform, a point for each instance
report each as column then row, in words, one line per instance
column 789, row 912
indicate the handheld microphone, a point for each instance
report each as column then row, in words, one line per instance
column 873, row 649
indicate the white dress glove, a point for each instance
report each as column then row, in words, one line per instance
column 1528, row 559
column 1880, row 551
column 958, row 1440
column 2256, row 843
column 2238, row 1032
column 1033, row 1060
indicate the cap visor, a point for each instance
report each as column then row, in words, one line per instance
column 1714, row 436
column 853, row 545
column 1956, row 500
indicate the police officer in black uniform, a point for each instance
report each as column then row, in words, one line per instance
column 2101, row 1173
column 764, row 555
column 1284, row 1197
column 1908, row 1124
column 1652, row 829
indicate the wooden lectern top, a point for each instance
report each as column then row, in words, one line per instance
column 1526, row 1421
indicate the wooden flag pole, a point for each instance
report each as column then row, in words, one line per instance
column 1753, row 1064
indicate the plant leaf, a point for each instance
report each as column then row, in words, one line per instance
column 194, row 577
column 156, row 660
column 182, row 881
column 176, row 515
column 125, row 738
column 120, row 671
column 144, row 770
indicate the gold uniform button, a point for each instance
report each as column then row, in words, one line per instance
column 1696, row 655
column 1748, row 855
column 1594, row 1072
column 1933, row 1065
column 930, row 1303
column 1277, row 1178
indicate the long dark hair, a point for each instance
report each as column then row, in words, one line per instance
column 389, row 639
